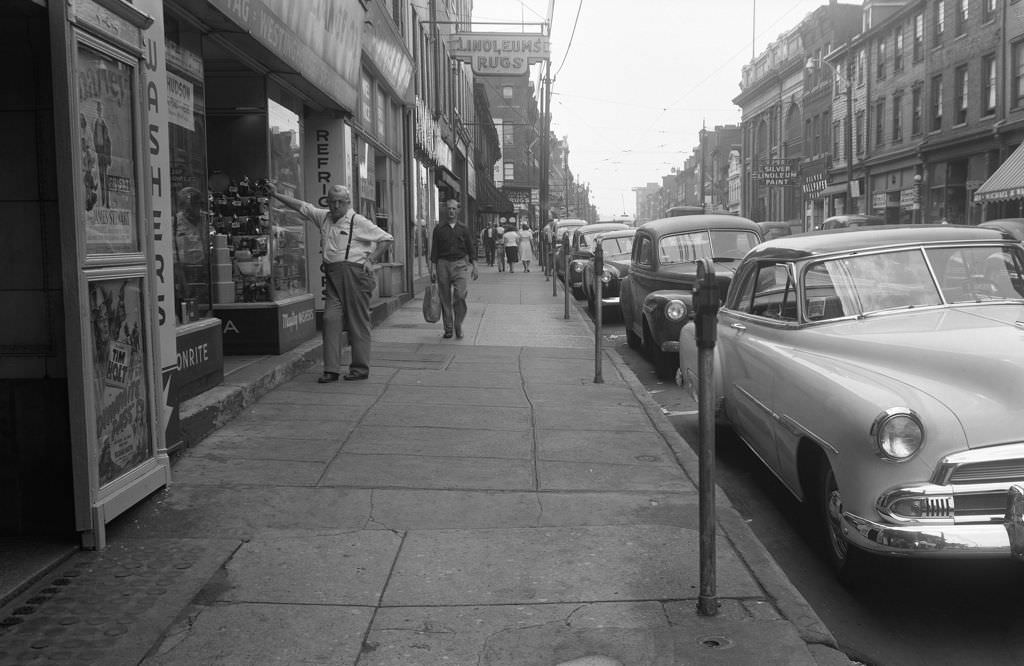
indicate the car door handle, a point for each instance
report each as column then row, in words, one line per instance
column 738, row 327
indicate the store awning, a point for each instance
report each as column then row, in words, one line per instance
column 1006, row 183
column 450, row 180
column 490, row 199
column 831, row 190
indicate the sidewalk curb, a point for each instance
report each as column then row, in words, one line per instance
column 790, row 603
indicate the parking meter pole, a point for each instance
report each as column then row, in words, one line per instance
column 598, row 272
column 565, row 273
column 705, row 300
column 551, row 267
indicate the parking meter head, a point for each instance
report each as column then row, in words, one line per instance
column 706, row 303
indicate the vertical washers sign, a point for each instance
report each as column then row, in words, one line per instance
column 499, row 53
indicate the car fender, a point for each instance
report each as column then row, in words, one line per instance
column 689, row 368
column 663, row 330
column 626, row 304
column 833, row 403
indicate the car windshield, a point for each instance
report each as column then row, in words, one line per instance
column 617, row 248
column 702, row 244
column 904, row 279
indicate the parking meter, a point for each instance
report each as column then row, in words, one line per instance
column 705, row 304
column 598, row 283
column 565, row 272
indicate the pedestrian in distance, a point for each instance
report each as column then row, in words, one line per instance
column 526, row 246
column 499, row 254
column 451, row 256
column 350, row 244
column 489, row 239
column 510, row 241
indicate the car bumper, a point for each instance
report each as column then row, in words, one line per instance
column 945, row 540
column 611, row 300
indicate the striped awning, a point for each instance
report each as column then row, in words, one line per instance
column 1006, row 183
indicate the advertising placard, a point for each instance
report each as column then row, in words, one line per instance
column 119, row 352
column 106, row 135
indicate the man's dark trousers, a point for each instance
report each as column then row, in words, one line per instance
column 347, row 307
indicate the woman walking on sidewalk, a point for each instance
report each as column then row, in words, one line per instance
column 511, row 242
column 526, row 246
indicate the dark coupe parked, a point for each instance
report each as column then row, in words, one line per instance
column 581, row 250
column 663, row 269
column 616, row 247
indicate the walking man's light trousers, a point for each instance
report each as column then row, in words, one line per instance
column 451, row 283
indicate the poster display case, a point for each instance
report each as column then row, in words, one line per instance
column 113, row 391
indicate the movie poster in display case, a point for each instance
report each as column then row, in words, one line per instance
column 120, row 360
column 108, row 195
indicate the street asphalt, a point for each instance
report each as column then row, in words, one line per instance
column 474, row 502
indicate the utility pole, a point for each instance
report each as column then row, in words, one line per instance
column 565, row 174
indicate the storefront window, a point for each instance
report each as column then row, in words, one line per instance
column 187, row 139
column 106, row 123
column 287, row 227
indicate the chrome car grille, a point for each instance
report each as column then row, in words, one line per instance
column 993, row 471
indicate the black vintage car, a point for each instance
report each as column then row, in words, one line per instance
column 581, row 250
column 616, row 247
column 663, row 268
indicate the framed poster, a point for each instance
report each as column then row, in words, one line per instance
column 108, row 197
column 120, row 374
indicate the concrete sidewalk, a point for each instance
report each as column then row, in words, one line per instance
column 476, row 501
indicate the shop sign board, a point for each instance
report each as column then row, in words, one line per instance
column 878, row 200
column 499, row 53
column 200, row 354
column 320, row 39
column 909, row 199
column 272, row 327
column 387, row 52
column 160, row 111
column 520, row 198
column 777, row 171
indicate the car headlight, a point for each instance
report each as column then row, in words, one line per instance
column 606, row 277
column 675, row 309
column 897, row 433
column 577, row 266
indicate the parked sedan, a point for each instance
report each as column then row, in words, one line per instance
column 616, row 247
column 563, row 229
column 1011, row 225
column 855, row 220
column 581, row 250
column 879, row 373
column 663, row 268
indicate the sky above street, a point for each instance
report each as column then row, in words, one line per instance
column 634, row 82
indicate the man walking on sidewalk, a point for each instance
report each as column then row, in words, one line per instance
column 351, row 245
column 451, row 253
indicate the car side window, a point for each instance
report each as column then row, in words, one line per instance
column 774, row 293
column 744, row 290
column 644, row 255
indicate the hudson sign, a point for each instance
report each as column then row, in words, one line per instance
column 499, row 53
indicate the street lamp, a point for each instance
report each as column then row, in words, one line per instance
column 813, row 64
